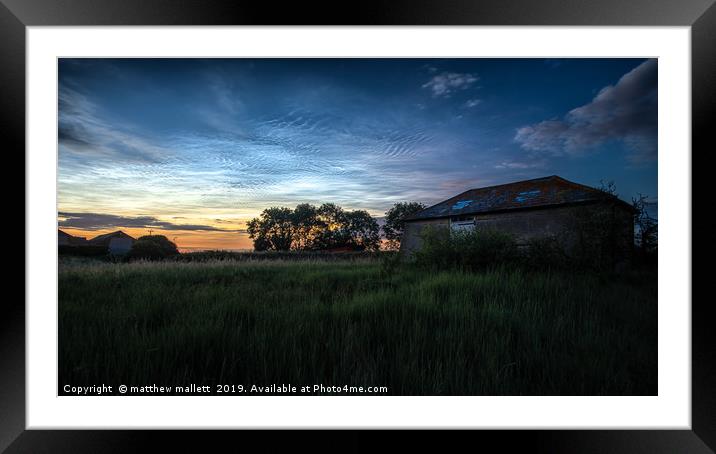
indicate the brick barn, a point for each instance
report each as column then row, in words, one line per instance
column 549, row 206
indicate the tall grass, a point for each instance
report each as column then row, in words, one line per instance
column 419, row 332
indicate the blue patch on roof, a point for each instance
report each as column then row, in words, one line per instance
column 524, row 196
column 461, row 204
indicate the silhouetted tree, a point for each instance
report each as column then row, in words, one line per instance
column 306, row 226
column 608, row 187
column 332, row 223
column 598, row 232
column 395, row 221
column 309, row 228
column 363, row 230
column 273, row 230
column 647, row 227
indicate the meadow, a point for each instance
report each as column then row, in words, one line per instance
column 359, row 322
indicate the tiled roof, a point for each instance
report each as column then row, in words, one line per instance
column 540, row 192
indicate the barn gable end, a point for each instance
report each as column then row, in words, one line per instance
column 116, row 242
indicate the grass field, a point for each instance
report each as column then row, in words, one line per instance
column 352, row 323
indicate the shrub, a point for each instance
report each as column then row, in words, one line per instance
column 544, row 253
column 152, row 247
column 478, row 249
column 436, row 249
column 483, row 249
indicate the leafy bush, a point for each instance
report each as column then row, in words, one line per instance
column 544, row 253
column 436, row 249
column 153, row 247
column 478, row 249
column 483, row 249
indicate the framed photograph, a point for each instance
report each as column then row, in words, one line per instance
column 422, row 218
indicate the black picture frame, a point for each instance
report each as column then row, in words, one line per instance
column 700, row 15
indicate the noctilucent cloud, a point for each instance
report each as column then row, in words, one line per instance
column 193, row 148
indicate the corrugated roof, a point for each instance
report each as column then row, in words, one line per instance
column 540, row 192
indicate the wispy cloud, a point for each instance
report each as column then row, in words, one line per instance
column 470, row 103
column 179, row 144
column 83, row 131
column 521, row 165
column 626, row 112
column 444, row 84
column 99, row 221
column 286, row 151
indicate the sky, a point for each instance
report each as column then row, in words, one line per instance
column 194, row 148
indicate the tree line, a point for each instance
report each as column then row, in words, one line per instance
column 327, row 227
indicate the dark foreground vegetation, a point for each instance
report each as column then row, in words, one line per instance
column 471, row 313
column 507, row 329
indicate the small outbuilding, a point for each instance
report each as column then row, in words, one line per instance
column 117, row 243
column 65, row 239
column 570, row 212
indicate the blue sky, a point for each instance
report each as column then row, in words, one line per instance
column 196, row 147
